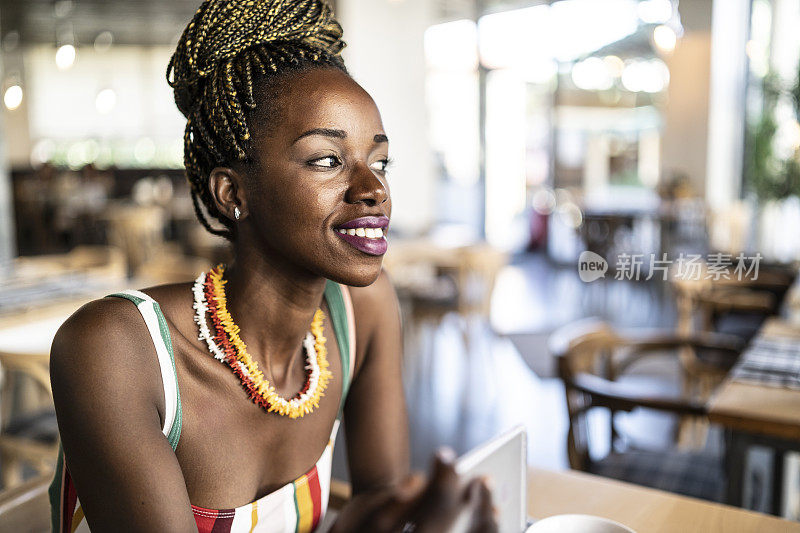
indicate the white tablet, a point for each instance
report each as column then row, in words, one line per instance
column 504, row 461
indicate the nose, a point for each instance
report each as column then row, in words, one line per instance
column 366, row 187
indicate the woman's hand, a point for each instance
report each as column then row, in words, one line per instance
column 442, row 504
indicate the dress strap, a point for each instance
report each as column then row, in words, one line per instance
column 159, row 331
column 351, row 330
column 341, row 310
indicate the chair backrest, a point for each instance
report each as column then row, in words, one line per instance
column 582, row 347
column 585, row 346
column 479, row 266
column 172, row 267
column 100, row 261
column 728, row 227
column 138, row 231
column 33, row 366
column 702, row 300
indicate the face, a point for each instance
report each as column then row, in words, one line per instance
column 316, row 196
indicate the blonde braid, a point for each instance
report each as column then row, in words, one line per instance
column 227, row 48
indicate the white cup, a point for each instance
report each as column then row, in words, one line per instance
column 577, row 523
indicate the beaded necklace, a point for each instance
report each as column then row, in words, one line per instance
column 227, row 347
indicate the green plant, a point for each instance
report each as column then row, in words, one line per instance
column 795, row 92
column 768, row 176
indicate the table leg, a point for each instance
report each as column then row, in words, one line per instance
column 777, row 482
column 735, row 455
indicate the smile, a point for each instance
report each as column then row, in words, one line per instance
column 369, row 233
column 366, row 234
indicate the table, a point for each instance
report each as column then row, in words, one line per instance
column 758, row 414
column 643, row 509
column 29, row 331
column 32, row 329
column 549, row 493
column 415, row 264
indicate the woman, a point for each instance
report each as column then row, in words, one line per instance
column 289, row 155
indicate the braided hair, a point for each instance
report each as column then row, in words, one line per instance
column 228, row 55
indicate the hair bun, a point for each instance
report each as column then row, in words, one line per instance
column 221, row 29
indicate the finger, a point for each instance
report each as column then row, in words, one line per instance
column 411, row 486
column 400, row 503
column 484, row 517
column 365, row 509
column 440, row 501
column 444, row 459
column 485, row 499
column 444, row 482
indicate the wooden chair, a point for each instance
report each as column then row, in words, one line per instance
column 437, row 279
column 734, row 306
column 137, row 230
column 105, row 262
column 28, row 435
column 99, row 261
column 592, row 360
column 727, row 306
column 171, row 266
column 479, row 266
column 26, row 507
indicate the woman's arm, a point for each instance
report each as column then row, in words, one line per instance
column 385, row 498
column 375, row 415
column 109, row 398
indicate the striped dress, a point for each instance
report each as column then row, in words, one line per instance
column 297, row 507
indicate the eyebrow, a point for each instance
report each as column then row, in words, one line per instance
column 338, row 134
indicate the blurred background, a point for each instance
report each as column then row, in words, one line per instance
column 650, row 132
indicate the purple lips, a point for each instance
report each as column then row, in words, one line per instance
column 366, row 222
column 365, row 244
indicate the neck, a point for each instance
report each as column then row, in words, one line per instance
column 273, row 305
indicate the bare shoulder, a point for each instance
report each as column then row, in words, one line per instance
column 109, row 403
column 112, row 331
column 375, row 303
column 93, row 333
column 102, row 350
column 377, row 318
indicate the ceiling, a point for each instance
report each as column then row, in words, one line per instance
column 156, row 22
column 143, row 22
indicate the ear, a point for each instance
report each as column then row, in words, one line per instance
column 227, row 189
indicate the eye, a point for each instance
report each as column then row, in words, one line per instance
column 382, row 165
column 329, row 161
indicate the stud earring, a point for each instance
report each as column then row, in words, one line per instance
column 236, row 212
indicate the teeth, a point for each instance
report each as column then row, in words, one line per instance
column 369, row 233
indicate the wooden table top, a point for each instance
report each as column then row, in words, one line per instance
column 32, row 330
column 760, row 409
column 642, row 509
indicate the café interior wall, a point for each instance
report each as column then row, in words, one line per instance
column 729, row 34
column 7, row 244
column 64, row 105
column 60, row 106
column 385, row 55
column 16, row 136
column 684, row 144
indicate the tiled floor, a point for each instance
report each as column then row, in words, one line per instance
column 467, row 380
